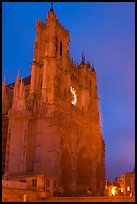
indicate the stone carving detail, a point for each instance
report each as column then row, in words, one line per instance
column 30, row 102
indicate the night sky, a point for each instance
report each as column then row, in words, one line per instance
column 105, row 32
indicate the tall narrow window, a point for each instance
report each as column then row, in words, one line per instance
column 34, row 182
column 56, row 44
column 60, row 48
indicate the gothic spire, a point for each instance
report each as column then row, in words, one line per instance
column 21, row 89
column 83, row 59
column 51, row 13
column 16, row 86
column 18, row 78
column 18, row 74
column 51, row 8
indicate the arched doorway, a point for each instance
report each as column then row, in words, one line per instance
column 66, row 172
column 84, row 171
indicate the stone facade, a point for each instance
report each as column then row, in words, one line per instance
column 128, row 183
column 54, row 123
column 4, row 139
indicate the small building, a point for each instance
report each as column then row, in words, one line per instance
column 128, row 180
column 46, row 184
column 126, row 184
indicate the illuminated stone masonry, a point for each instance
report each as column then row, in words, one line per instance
column 54, row 123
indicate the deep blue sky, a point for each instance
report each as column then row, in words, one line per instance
column 105, row 32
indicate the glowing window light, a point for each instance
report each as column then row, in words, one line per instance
column 73, row 91
column 113, row 191
column 128, row 188
column 121, row 190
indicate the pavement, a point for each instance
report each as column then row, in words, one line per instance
column 90, row 199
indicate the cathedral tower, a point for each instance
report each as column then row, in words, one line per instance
column 54, row 122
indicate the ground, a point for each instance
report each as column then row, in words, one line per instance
column 91, row 199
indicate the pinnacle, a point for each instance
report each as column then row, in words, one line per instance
column 4, row 83
column 51, row 8
column 18, row 76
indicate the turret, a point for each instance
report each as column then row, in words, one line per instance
column 94, row 103
column 36, row 70
column 93, row 82
column 50, row 59
column 21, row 105
column 83, row 66
column 36, row 78
column 51, row 22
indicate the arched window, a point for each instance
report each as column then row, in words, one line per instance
column 84, row 168
column 60, row 48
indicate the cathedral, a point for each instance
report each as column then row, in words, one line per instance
column 50, row 119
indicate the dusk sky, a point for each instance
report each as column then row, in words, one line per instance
column 105, row 32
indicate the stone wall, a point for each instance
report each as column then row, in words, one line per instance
column 14, row 195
